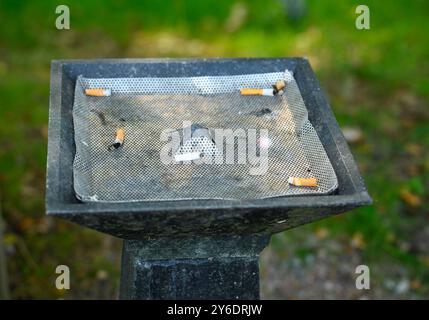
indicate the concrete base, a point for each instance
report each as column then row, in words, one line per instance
column 192, row 268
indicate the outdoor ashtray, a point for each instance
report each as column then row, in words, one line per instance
column 195, row 163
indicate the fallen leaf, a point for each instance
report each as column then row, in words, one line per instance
column 410, row 199
column 26, row 224
column 9, row 239
column 358, row 241
column 415, row 284
column 353, row 134
column 44, row 131
column 102, row 274
column 414, row 149
column 412, row 170
column 321, row 233
column 237, row 17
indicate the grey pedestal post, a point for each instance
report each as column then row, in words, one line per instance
column 192, row 268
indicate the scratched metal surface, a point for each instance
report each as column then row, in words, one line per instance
column 145, row 107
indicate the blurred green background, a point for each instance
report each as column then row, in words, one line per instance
column 377, row 83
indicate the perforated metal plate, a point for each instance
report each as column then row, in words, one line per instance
column 149, row 109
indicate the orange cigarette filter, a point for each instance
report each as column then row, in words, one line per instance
column 251, row 92
column 120, row 135
column 303, row 182
column 97, row 92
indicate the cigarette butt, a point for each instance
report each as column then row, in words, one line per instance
column 119, row 139
column 303, row 182
column 256, row 92
column 120, row 136
column 187, row 156
column 280, row 84
column 98, row 92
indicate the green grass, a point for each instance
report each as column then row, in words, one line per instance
column 376, row 80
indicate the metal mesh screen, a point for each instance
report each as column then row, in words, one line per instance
column 148, row 109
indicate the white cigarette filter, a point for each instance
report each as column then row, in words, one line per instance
column 98, row 92
column 256, row 92
column 264, row 142
column 187, row 156
column 302, row 182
